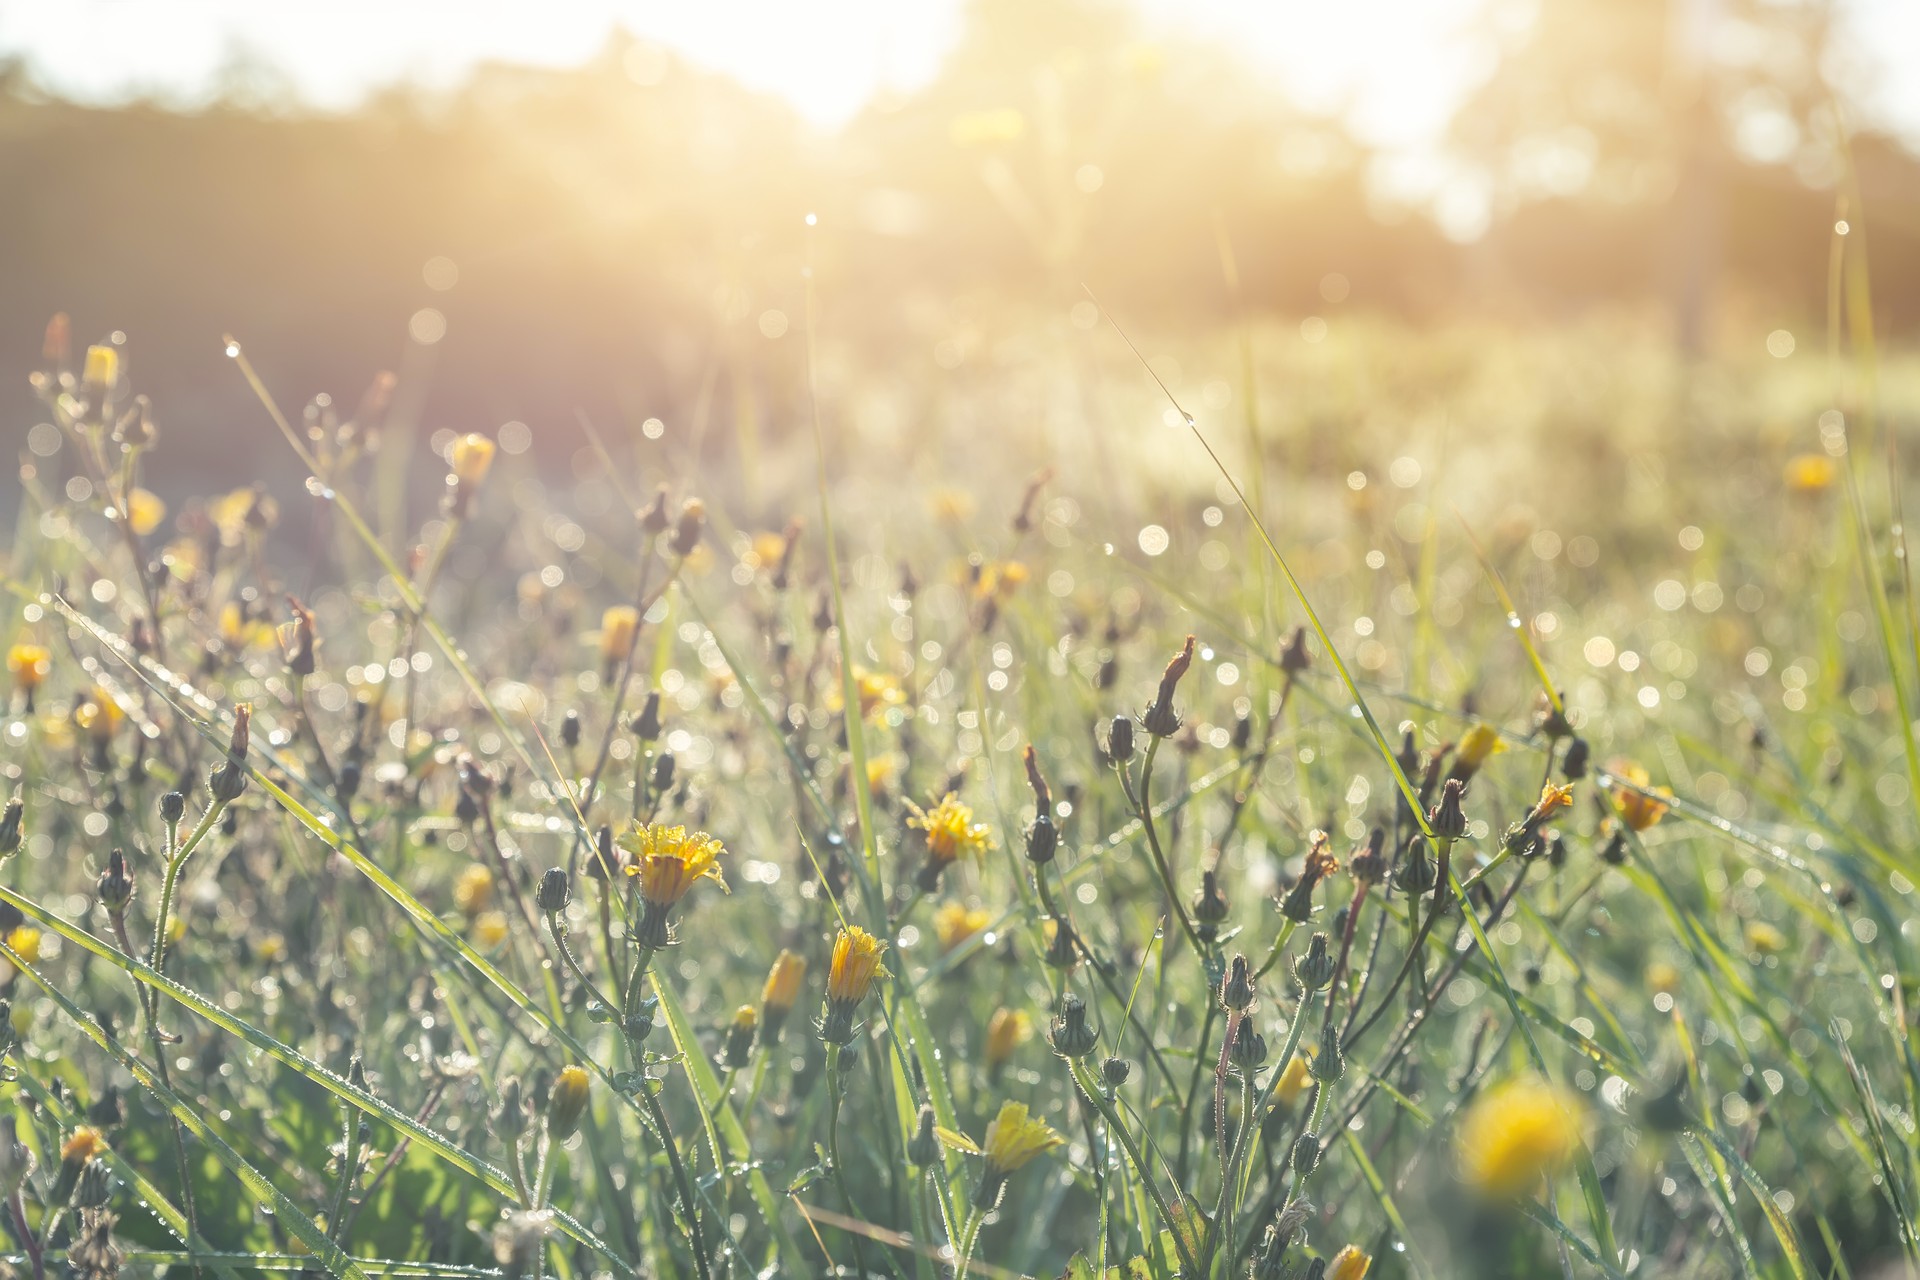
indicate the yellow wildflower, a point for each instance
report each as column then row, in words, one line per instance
column 28, row 664
column 25, row 941
column 490, row 930
column 1006, row 1030
column 1643, row 807
column 1765, row 939
column 1014, row 1138
column 103, row 366
column 1295, row 1080
column 1516, row 1135
column 1349, row 1264
column 1810, row 473
column 1479, row 742
column 566, row 1103
column 953, row 924
column 82, row 1145
column 856, row 963
column 951, row 834
column 469, row 458
column 99, row 716
column 669, row 860
column 234, row 513
column 1552, row 800
column 145, row 511
column 617, row 628
column 782, row 990
column 473, row 891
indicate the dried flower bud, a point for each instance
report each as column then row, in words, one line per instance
column 1161, row 720
column 554, row 893
column 1370, row 865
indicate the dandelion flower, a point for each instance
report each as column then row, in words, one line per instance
column 1639, row 805
column 1006, row 1031
column 1295, row 1080
column 99, row 716
column 951, row 834
column 1810, row 473
column 1014, row 1138
column 28, row 664
column 567, row 1102
column 473, row 891
column 1349, row 1264
column 1764, row 939
column 469, row 458
column 782, row 990
column 856, row 963
column 668, row 862
column 82, row 1145
column 1478, row 743
column 1516, row 1135
column 25, row 942
column 145, row 511
column 953, row 924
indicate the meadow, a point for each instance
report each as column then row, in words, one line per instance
column 1319, row 798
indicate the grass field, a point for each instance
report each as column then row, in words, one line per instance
column 1467, row 831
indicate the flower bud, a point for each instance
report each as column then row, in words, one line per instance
column 1315, row 969
column 554, row 893
column 1249, row 1048
column 646, row 721
column 653, row 517
column 1369, row 866
column 1115, row 1072
column 510, row 1117
column 10, row 821
column 1447, row 819
column 229, row 779
column 470, row 458
column 923, row 1149
column 663, row 773
column 114, row 888
column 173, row 807
column 1573, row 765
column 1062, row 950
column 1209, row 906
column 1161, row 720
column 102, row 368
column 1236, row 989
column 1120, row 740
column 737, row 1049
column 566, row 1103
column 1306, row 1154
column 1417, row 875
column 1043, row 839
column 1071, row 1035
column 1294, row 659
column 687, row 530
column 604, row 862
column 570, row 730
column 1329, row 1064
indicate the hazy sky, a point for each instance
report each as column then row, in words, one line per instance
column 1394, row 67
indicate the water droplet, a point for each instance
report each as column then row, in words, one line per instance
column 1189, row 418
column 233, row 350
column 1513, row 620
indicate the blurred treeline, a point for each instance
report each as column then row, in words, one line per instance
column 618, row 234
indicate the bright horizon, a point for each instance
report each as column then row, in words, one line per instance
column 1392, row 69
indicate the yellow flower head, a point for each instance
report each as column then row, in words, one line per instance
column 953, row 924
column 617, row 626
column 470, row 457
column 25, row 941
column 1295, row 1080
column 783, row 982
column 877, row 691
column 768, row 550
column 1349, row 1264
column 1552, row 800
column 1765, row 939
column 99, row 716
column 103, row 366
column 234, row 513
column 1663, row 977
column 28, row 664
column 856, row 963
column 82, row 1145
column 1005, row 1032
column 1516, row 1135
column 473, row 891
column 1479, row 742
column 145, row 511
column 1015, row 1137
column 669, row 860
column 951, row 831
column 490, row 930
column 1810, row 473
column 1639, row 809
